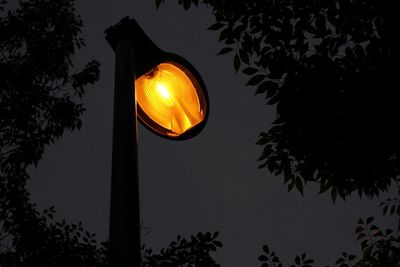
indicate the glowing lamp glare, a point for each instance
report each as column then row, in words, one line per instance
column 170, row 100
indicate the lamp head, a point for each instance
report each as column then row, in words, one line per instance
column 171, row 96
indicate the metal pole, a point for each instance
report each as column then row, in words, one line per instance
column 125, row 248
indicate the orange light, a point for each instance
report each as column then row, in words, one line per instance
column 170, row 99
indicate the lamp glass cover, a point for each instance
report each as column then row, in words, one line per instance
column 170, row 98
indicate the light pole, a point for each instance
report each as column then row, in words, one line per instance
column 169, row 97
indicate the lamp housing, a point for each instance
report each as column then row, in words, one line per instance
column 172, row 99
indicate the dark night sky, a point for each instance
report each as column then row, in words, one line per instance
column 208, row 183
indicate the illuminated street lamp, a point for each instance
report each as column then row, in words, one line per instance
column 169, row 97
column 171, row 101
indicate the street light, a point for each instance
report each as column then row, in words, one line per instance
column 169, row 97
column 171, row 101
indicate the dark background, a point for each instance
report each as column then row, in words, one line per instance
column 208, row 183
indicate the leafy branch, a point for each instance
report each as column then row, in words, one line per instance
column 319, row 63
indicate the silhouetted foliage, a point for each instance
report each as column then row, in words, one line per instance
column 380, row 247
column 39, row 241
column 330, row 68
column 189, row 253
column 39, row 99
column 39, row 86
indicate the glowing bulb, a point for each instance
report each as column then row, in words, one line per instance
column 170, row 101
column 164, row 92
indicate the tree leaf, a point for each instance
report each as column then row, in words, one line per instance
column 256, row 79
column 297, row 260
column 263, row 258
column 244, row 56
column 250, row 71
column 299, row 185
column 225, row 50
column 216, row 26
column 187, row 4
column 262, row 88
column 158, row 2
column 236, row 63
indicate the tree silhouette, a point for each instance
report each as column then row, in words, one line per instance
column 330, row 68
column 186, row 253
column 40, row 99
column 380, row 247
